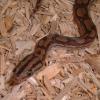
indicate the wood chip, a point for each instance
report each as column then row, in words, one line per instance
column 48, row 71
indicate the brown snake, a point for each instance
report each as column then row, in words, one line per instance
column 34, row 61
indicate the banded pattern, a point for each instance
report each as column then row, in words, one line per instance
column 35, row 61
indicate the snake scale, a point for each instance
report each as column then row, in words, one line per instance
column 35, row 60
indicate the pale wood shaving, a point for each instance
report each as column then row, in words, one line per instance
column 48, row 72
column 48, row 85
column 2, row 64
column 3, row 29
column 94, row 61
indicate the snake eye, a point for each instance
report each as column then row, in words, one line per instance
column 29, row 72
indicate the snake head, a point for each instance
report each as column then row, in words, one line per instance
column 15, row 80
column 25, row 69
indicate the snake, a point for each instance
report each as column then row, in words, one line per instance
column 34, row 61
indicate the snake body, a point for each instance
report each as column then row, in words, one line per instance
column 35, row 60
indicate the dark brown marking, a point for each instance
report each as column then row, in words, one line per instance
column 81, row 12
column 40, row 52
column 89, row 24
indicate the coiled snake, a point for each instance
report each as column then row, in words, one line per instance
column 34, row 61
